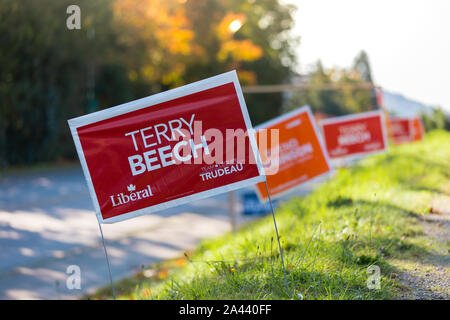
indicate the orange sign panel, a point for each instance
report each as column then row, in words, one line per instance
column 417, row 129
column 301, row 155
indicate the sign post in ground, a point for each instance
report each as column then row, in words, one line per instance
column 168, row 149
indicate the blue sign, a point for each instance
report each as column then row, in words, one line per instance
column 252, row 205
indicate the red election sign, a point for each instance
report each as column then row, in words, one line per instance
column 355, row 135
column 401, row 130
column 151, row 154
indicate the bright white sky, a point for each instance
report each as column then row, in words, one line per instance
column 408, row 42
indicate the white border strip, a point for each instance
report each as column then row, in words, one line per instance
column 152, row 100
column 282, row 118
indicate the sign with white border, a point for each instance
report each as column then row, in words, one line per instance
column 302, row 157
column 355, row 135
column 133, row 166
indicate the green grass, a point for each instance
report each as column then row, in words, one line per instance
column 366, row 214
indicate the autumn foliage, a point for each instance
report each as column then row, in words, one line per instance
column 127, row 49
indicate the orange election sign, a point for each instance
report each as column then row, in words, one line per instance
column 302, row 156
column 418, row 129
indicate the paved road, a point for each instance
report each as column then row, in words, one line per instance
column 47, row 224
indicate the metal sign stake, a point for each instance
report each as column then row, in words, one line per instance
column 232, row 211
column 278, row 238
column 107, row 260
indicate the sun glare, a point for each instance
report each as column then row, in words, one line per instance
column 235, row 25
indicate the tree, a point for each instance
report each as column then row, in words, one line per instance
column 436, row 119
column 261, row 50
column 341, row 101
column 362, row 66
column 44, row 75
column 126, row 50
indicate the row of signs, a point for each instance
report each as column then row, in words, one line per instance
column 343, row 137
column 350, row 136
column 197, row 141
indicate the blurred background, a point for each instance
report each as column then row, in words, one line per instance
column 128, row 49
column 339, row 57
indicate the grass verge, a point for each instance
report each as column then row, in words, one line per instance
column 365, row 215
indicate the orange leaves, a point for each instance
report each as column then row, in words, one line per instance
column 229, row 24
column 243, row 50
column 163, row 273
column 173, row 29
column 156, row 34
column 156, row 20
column 146, row 293
column 180, row 262
column 161, row 39
column 240, row 50
column 180, row 40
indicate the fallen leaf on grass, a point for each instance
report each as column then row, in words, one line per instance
column 180, row 262
column 163, row 273
column 146, row 293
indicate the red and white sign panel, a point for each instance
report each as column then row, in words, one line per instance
column 152, row 154
column 401, row 130
column 301, row 155
column 355, row 135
